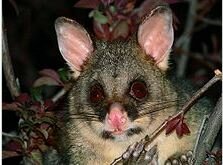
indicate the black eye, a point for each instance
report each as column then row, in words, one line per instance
column 138, row 90
column 96, row 93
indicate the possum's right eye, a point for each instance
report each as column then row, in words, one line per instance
column 96, row 94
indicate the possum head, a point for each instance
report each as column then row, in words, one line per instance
column 120, row 87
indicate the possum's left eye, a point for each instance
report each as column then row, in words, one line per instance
column 138, row 90
column 96, row 94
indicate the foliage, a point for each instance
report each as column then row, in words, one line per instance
column 113, row 19
column 37, row 119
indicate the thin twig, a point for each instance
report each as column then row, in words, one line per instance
column 200, row 92
column 7, row 67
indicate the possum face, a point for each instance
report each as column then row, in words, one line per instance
column 120, row 87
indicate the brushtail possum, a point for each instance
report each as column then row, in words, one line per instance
column 121, row 92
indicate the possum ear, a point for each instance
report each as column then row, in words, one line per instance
column 74, row 43
column 155, row 35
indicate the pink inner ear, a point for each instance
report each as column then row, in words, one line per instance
column 155, row 36
column 75, row 44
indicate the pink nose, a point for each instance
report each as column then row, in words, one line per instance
column 117, row 116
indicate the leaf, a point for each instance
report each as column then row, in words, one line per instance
column 52, row 74
column 49, row 120
column 121, row 30
column 46, row 81
column 101, row 31
column 23, row 98
column 36, row 93
column 14, row 106
column 14, row 145
column 44, row 133
column 36, row 157
column 172, row 124
column 64, row 74
column 9, row 154
column 91, row 4
column 98, row 16
column 182, row 129
column 177, row 124
column 48, row 104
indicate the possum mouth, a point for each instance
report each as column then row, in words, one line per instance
column 127, row 133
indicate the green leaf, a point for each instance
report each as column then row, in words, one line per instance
column 98, row 16
column 36, row 93
column 36, row 157
column 64, row 74
column 112, row 9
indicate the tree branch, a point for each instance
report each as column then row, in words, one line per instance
column 210, row 132
column 184, row 40
column 209, row 21
column 7, row 67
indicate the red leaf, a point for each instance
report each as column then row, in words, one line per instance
column 182, row 129
column 91, row 4
column 48, row 104
column 172, row 124
column 14, row 145
column 9, row 154
column 101, row 31
column 23, row 98
column 36, row 106
column 14, row 106
column 52, row 74
column 185, row 128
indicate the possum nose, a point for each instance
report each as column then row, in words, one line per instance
column 117, row 116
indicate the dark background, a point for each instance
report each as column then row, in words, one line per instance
column 33, row 45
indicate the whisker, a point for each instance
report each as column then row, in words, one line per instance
column 153, row 108
column 158, row 103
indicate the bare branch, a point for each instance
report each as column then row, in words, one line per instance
column 209, row 21
column 7, row 67
column 210, row 132
column 200, row 92
column 184, row 40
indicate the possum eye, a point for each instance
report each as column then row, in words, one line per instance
column 96, row 93
column 138, row 90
